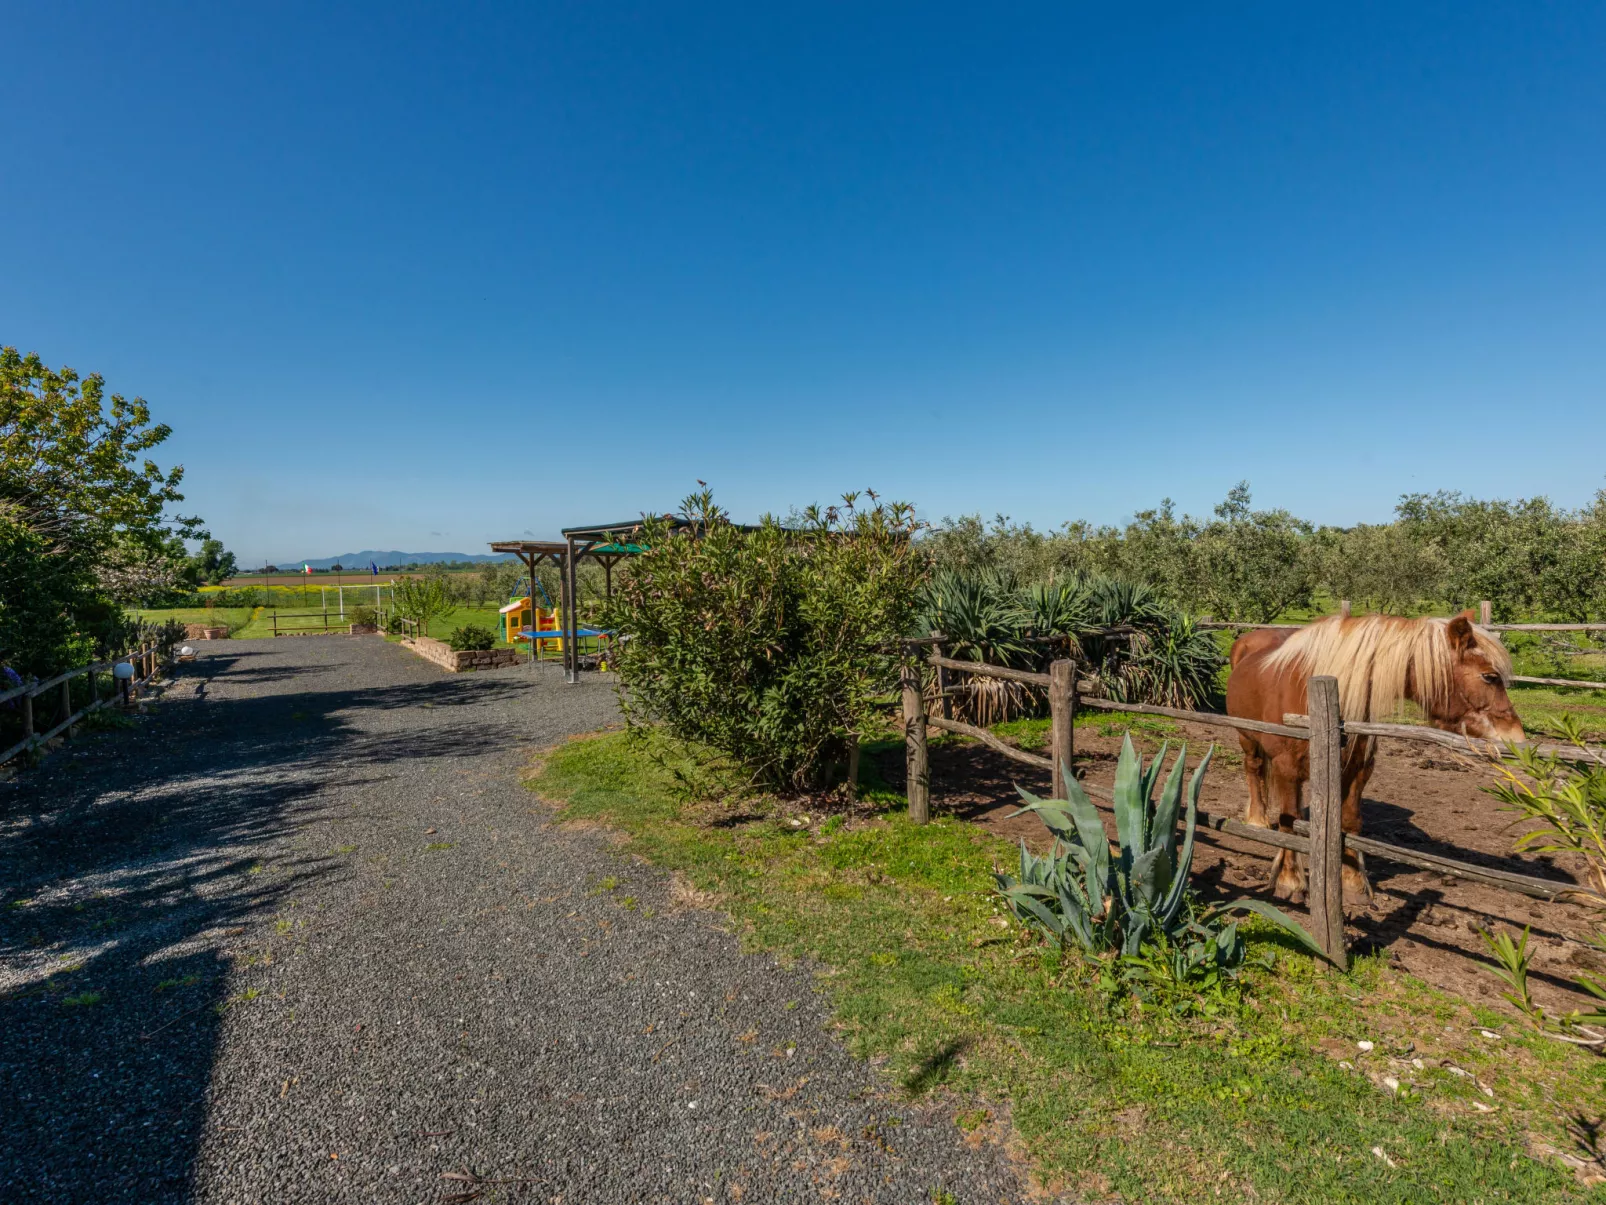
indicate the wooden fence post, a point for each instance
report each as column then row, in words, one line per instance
column 917, row 766
column 27, row 716
column 945, row 703
column 1343, row 608
column 853, row 766
column 1326, row 799
column 66, row 704
column 1062, row 721
column 1485, row 613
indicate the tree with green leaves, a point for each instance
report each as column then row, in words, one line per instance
column 1250, row 564
column 72, row 459
column 83, row 512
column 769, row 645
column 213, row 564
column 422, row 599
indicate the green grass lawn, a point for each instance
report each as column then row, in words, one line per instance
column 1540, row 707
column 1267, row 1098
column 1032, row 734
column 233, row 618
column 443, row 626
column 247, row 623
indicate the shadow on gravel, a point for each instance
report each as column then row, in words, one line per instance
column 128, row 874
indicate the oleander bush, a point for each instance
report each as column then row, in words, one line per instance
column 768, row 644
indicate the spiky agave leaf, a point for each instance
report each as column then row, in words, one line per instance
column 1130, row 805
column 1147, row 778
column 1163, row 828
column 1276, row 915
column 1184, row 861
column 1030, row 899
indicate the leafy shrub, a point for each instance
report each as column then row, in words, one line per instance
column 472, row 637
column 769, row 644
column 365, row 617
column 1141, row 901
column 1566, row 804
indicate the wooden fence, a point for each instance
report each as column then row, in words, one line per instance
column 307, row 624
column 1320, row 837
column 146, row 660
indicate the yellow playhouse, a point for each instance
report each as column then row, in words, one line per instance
column 519, row 619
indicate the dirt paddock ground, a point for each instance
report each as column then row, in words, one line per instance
column 1419, row 798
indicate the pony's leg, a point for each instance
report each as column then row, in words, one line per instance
column 1288, row 870
column 1357, row 770
column 1255, row 775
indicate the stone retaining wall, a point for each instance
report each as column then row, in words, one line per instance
column 448, row 658
column 205, row 631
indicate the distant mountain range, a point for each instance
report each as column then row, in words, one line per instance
column 361, row 560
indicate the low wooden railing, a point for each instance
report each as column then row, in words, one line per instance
column 286, row 625
column 146, row 661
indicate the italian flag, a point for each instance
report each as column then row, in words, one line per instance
column 306, row 568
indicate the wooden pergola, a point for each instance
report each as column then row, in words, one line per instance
column 607, row 544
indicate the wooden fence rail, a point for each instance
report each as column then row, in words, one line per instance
column 145, row 659
column 1484, row 750
column 286, row 625
column 1321, row 837
column 1582, row 685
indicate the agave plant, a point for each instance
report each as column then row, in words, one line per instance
column 1173, row 664
column 1158, row 656
column 1060, row 607
column 982, row 614
column 1080, row 892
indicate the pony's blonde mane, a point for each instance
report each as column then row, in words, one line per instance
column 1373, row 656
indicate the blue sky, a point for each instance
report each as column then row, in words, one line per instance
column 425, row 276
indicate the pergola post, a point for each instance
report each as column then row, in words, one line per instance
column 571, row 626
column 529, row 564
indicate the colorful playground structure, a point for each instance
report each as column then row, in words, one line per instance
column 605, row 545
column 542, row 629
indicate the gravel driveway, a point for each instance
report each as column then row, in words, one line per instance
column 300, row 935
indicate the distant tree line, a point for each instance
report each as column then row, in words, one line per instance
column 1528, row 557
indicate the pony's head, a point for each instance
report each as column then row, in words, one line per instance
column 1471, row 699
column 1456, row 672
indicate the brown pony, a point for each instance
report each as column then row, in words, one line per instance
column 1456, row 672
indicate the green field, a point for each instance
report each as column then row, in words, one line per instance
column 1267, row 1097
column 1542, row 706
column 486, row 617
column 246, row 623
column 236, row 619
